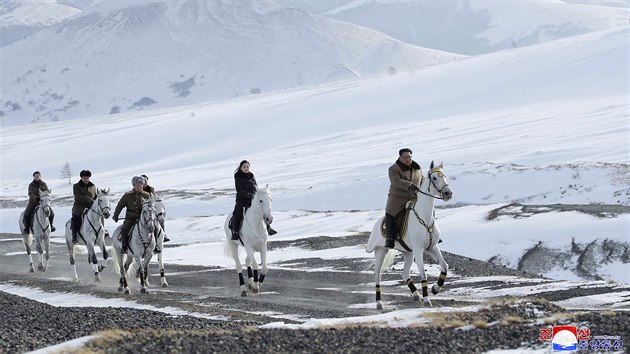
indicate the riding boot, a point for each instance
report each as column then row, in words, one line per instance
column 125, row 241
column 235, row 236
column 390, row 227
column 271, row 231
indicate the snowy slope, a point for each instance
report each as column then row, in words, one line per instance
column 474, row 26
column 21, row 18
column 537, row 125
column 162, row 54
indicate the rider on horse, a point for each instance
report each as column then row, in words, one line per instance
column 147, row 188
column 131, row 200
column 405, row 175
column 34, row 188
column 84, row 195
column 246, row 187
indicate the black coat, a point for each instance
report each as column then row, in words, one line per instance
column 245, row 186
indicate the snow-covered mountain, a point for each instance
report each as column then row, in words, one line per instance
column 21, row 18
column 474, row 26
column 167, row 53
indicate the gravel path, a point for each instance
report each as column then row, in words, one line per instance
column 290, row 295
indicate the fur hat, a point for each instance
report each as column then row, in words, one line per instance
column 84, row 173
column 137, row 179
column 36, row 173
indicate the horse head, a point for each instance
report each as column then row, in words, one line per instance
column 160, row 209
column 263, row 200
column 102, row 202
column 437, row 179
column 44, row 201
column 147, row 217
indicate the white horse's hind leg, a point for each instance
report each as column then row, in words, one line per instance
column 379, row 257
column 47, row 251
column 436, row 254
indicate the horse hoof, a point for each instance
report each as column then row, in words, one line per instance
column 435, row 289
column 32, row 269
column 100, row 268
column 379, row 305
column 253, row 289
column 165, row 285
column 243, row 293
column 40, row 267
column 426, row 302
column 97, row 278
column 120, row 289
column 127, row 291
column 416, row 297
column 143, row 291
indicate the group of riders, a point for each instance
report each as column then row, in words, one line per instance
column 405, row 176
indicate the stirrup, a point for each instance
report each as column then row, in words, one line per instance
column 390, row 243
column 157, row 250
column 166, row 239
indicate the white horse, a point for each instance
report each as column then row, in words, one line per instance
column 141, row 246
column 160, row 216
column 422, row 235
column 41, row 231
column 253, row 238
column 92, row 233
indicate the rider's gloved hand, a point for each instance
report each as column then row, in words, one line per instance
column 413, row 187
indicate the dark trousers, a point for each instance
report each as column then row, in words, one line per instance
column 75, row 224
column 237, row 215
column 30, row 211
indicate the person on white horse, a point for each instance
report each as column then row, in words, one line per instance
column 84, row 195
column 131, row 200
column 405, row 176
column 246, row 187
column 147, row 188
column 34, row 188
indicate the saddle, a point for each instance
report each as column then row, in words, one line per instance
column 401, row 222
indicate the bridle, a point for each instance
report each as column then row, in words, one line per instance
column 431, row 183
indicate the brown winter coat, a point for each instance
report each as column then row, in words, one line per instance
column 401, row 177
column 84, row 195
column 131, row 200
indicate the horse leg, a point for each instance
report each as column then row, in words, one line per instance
column 40, row 253
column 28, row 242
column 419, row 256
column 263, row 260
column 436, row 254
column 102, row 266
column 379, row 258
column 253, row 283
column 47, row 250
column 94, row 261
column 142, row 274
column 161, row 265
column 408, row 256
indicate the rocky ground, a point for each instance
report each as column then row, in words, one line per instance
column 290, row 295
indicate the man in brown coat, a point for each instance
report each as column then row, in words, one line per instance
column 84, row 195
column 131, row 200
column 33, row 201
column 405, row 176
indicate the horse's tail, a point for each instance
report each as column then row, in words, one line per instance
column 116, row 265
column 227, row 248
column 388, row 260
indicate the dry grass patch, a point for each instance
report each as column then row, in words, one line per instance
column 480, row 324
